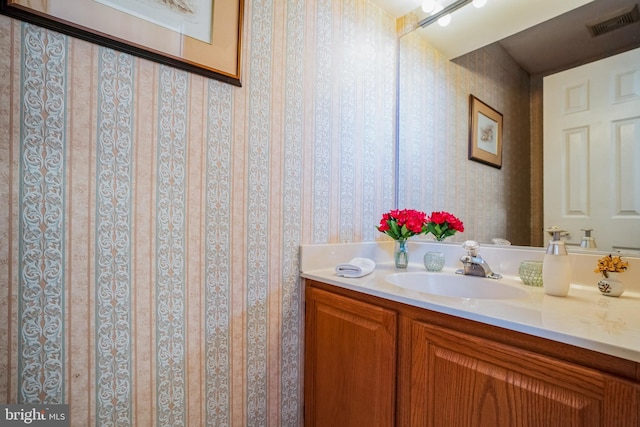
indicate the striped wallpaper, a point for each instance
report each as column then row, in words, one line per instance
column 151, row 218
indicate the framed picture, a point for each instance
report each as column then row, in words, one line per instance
column 200, row 36
column 485, row 133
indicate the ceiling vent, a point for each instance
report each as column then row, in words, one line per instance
column 619, row 20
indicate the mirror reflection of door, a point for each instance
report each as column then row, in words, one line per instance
column 592, row 151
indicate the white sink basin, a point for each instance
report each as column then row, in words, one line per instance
column 455, row 285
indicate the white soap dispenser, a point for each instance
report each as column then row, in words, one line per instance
column 556, row 266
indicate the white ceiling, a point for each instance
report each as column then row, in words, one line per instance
column 472, row 28
column 571, row 41
column 398, row 8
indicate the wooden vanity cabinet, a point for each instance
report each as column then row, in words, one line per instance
column 350, row 362
column 374, row 362
column 462, row 380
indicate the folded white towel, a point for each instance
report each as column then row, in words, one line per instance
column 357, row 267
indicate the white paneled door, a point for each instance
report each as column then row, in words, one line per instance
column 592, row 151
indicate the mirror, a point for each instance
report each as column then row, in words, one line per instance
column 434, row 172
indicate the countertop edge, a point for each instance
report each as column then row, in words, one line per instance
column 440, row 305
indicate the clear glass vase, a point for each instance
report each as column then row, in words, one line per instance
column 401, row 254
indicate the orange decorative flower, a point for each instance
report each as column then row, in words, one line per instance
column 611, row 264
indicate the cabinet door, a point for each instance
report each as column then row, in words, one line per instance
column 350, row 363
column 461, row 380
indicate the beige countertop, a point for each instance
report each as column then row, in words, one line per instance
column 585, row 318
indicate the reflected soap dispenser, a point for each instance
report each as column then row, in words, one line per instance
column 556, row 266
column 588, row 242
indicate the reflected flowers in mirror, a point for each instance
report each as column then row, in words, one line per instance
column 442, row 225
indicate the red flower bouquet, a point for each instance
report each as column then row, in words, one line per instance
column 443, row 225
column 402, row 224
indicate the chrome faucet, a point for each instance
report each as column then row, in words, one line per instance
column 473, row 264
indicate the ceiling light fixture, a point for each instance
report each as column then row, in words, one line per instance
column 479, row 3
column 428, row 6
column 444, row 20
column 444, row 11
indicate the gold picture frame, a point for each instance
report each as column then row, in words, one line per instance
column 485, row 133
column 206, row 43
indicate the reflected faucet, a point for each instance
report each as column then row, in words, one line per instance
column 473, row 264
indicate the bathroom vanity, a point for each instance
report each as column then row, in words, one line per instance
column 377, row 354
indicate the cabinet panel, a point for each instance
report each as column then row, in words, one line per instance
column 461, row 380
column 350, row 362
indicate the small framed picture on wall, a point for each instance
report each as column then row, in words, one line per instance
column 485, row 133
